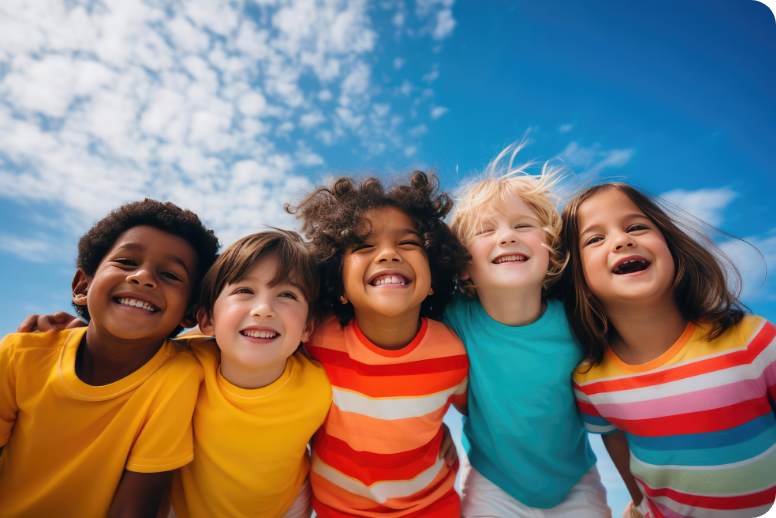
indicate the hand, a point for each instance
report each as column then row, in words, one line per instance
column 447, row 449
column 56, row 322
column 628, row 513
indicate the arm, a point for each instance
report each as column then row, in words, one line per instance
column 56, row 322
column 140, row 495
column 463, row 408
column 447, row 449
column 617, row 446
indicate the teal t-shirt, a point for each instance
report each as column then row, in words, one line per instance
column 524, row 432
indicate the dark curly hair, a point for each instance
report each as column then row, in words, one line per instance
column 334, row 220
column 167, row 217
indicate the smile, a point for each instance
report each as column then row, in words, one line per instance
column 517, row 258
column 632, row 266
column 392, row 279
column 135, row 303
column 257, row 333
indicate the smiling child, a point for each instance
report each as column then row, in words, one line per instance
column 388, row 264
column 93, row 421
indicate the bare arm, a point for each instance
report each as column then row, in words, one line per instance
column 140, row 495
column 58, row 321
column 462, row 408
column 617, row 446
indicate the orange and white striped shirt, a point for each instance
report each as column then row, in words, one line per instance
column 377, row 454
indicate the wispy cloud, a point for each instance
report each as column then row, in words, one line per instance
column 210, row 104
column 565, row 128
column 438, row 112
column 708, row 205
column 593, row 159
column 37, row 250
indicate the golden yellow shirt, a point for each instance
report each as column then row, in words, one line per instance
column 250, row 446
column 67, row 443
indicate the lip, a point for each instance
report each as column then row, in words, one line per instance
column 510, row 262
column 389, row 286
column 631, row 258
column 256, row 339
column 132, row 295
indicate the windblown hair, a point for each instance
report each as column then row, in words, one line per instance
column 293, row 260
column 334, row 219
column 168, row 217
column 706, row 286
column 485, row 195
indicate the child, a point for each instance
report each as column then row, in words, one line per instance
column 93, row 421
column 524, row 437
column 676, row 372
column 262, row 400
column 388, row 263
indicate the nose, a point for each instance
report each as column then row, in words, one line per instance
column 388, row 254
column 142, row 277
column 263, row 308
column 623, row 241
column 507, row 236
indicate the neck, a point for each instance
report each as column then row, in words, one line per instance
column 390, row 333
column 240, row 375
column 513, row 307
column 102, row 359
column 644, row 332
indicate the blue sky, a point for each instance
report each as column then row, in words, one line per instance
column 232, row 108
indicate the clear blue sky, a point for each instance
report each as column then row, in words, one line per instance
column 232, row 108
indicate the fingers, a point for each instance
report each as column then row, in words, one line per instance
column 627, row 512
column 29, row 325
column 447, row 449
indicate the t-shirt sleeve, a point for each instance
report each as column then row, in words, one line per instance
column 8, row 406
column 166, row 441
column 461, row 395
column 594, row 422
column 766, row 360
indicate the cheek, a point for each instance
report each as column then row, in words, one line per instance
column 594, row 269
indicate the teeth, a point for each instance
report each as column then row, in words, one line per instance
column 510, row 259
column 389, row 279
column 137, row 304
column 255, row 333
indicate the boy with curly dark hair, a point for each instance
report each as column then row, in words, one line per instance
column 94, row 420
column 388, row 264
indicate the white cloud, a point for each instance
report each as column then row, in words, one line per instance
column 438, row 112
column 398, row 63
column 440, row 16
column 708, row 205
column 418, row 131
column 410, row 150
column 185, row 101
column 406, row 87
column 565, row 128
column 36, row 250
column 751, row 256
column 594, row 159
column 432, row 76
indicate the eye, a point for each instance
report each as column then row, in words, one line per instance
column 593, row 240
column 289, row 294
column 485, row 231
column 125, row 261
column 242, row 291
column 410, row 242
column 523, row 225
column 363, row 246
column 172, row 276
column 637, row 226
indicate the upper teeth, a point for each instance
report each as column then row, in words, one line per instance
column 255, row 333
column 137, row 303
column 389, row 279
column 510, row 258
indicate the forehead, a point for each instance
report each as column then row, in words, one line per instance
column 605, row 206
column 264, row 270
column 151, row 240
column 511, row 205
column 388, row 220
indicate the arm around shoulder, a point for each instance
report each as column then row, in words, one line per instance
column 617, row 445
column 140, row 495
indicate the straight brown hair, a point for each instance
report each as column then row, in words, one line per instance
column 293, row 258
column 700, row 286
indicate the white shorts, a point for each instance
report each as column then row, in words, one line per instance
column 484, row 499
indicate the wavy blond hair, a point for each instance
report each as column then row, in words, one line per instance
column 489, row 193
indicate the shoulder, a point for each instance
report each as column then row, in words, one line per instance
column 460, row 307
column 181, row 365
column 203, row 348
column 329, row 333
column 311, row 372
column 438, row 333
column 16, row 346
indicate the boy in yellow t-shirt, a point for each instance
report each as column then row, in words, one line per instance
column 93, row 421
column 262, row 399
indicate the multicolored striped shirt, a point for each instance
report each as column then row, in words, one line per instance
column 377, row 454
column 700, row 420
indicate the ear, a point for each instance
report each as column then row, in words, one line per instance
column 188, row 322
column 206, row 325
column 308, row 331
column 465, row 275
column 80, row 286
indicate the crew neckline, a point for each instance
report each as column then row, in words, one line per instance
column 387, row 352
column 661, row 360
column 248, row 396
column 78, row 389
column 522, row 331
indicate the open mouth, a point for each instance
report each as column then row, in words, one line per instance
column 632, row 266
column 135, row 303
column 259, row 333
column 391, row 279
column 517, row 258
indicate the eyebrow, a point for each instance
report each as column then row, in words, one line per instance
column 627, row 216
column 173, row 258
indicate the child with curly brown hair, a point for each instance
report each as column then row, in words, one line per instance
column 388, row 266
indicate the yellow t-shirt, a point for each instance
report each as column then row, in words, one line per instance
column 67, row 443
column 250, row 446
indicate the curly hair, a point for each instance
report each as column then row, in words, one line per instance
column 168, row 217
column 334, row 219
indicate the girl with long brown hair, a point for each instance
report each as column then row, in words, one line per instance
column 679, row 379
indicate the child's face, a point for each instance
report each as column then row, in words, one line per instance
column 257, row 325
column 509, row 251
column 388, row 275
column 624, row 255
column 141, row 289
